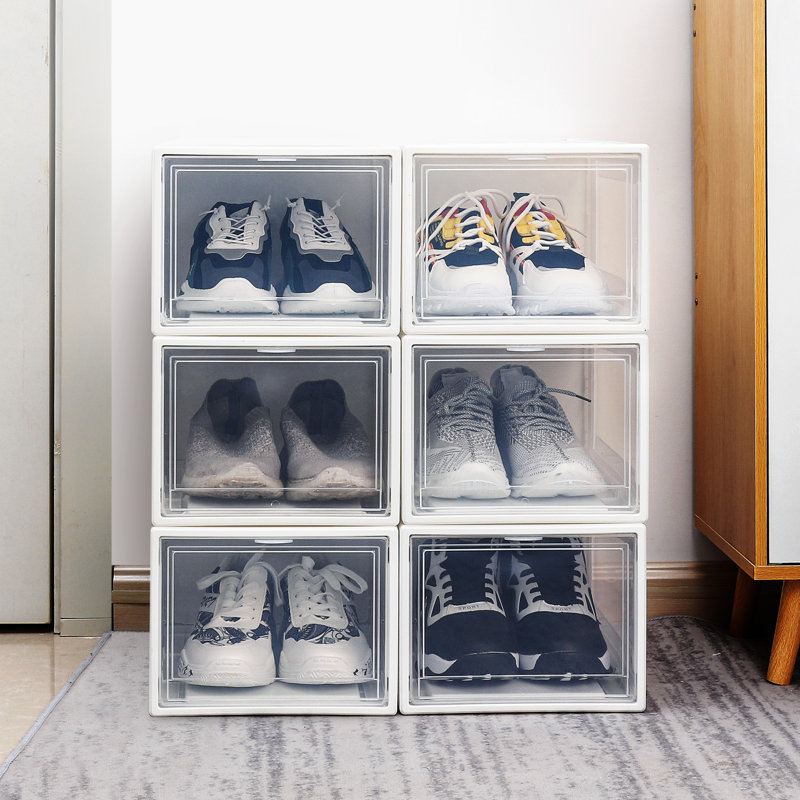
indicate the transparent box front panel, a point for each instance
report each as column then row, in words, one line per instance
column 527, row 239
column 264, row 432
column 522, row 620
column 283, row 625
column 251, row 240
column 542, row 431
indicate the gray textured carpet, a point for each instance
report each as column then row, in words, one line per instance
column 713, row 729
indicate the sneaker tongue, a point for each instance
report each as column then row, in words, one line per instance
column 486, row 208
column 314, row 207
column 512, row 377
column 534, row 207
column 474, row 211
column 227, row 594
column 438, row 380
column 452, row 379
column 519, row 211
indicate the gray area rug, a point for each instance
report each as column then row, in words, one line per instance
column 714, row 728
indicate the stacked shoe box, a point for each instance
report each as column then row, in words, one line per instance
column 276, row 470
column 525, row 392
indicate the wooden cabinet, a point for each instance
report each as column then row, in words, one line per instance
column 747, row 428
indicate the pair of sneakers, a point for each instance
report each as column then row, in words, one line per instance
column 234, row 638
column 231, row 451
column 231, row 257
column 492, row 613
column 509, row 439
column 485, row 253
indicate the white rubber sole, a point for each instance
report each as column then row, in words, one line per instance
column 330, row 298
column 325, row 669
column 567, row 480
column 587, row 297
column 247, row 480
column 332, row 483
column 226, row 672
column 477, row 290
column 470, row 301
column 229, row 296
column 473, row 480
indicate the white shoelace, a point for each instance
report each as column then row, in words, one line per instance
column 531, row 206
column 315, row 231
column 242, row 231
column 241, row 594
column 471, row 218
column 318, row 594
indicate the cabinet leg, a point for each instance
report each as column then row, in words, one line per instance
column 787, row 635
column 744, row 600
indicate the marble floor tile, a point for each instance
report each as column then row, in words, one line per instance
column 34, row 667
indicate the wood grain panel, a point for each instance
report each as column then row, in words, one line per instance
column 130, row 598
column 730, row 241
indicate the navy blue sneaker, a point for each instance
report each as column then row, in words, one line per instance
column 467, row 633
column 558, row 632
column 324, row 271
column 229, row 269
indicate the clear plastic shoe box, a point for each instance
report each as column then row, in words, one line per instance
column 255, row 431
column 538, row 238
column 277, row 438
column 273, row 621
column 261, row 240
column 522, row 618
column 524, row 429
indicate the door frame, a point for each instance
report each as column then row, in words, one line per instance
column 82, row 317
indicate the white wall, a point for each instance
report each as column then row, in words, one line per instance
column 414, row 72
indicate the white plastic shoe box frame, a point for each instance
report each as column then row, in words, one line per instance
column 279, row 158
column 517, row 512
column 542, row 695
column 293, row 516
column 237, row 527
column 292, row 700
column 516, row 159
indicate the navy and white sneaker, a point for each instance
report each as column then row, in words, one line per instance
column 231, row 644
column 462, row 268
column 323, row 269
column 466, row 632
column 229, row 268
column 558, row 633
column 321, row 640
column 549, row 273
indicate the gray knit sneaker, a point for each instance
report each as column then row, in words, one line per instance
column 327, row 454
column 231, row 450
column 537, row 441
column 461, row 456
